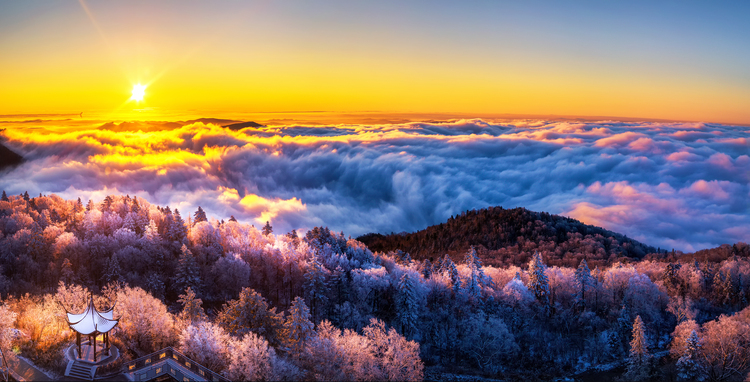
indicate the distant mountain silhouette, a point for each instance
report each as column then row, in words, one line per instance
column 139, row 126
column 242, row 125
column 510, row 236
column 8, row 157
column 158, row 126
column 215, row 121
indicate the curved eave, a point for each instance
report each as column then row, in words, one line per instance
column 97, row 320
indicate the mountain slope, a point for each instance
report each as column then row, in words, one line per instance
column 8, row 157
column 504, row 237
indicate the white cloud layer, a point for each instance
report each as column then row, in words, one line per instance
column 674, row 185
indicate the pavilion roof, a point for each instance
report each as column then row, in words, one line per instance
column 92, row 321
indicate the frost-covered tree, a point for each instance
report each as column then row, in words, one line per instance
column 66, row 271
column 298, row 329
column 206, row 343
column 316, row 289
column 426, row 269
column 151, row 233
column 724, row 345
column 689, row 366
column 251, row 359
column 4, row 198
column 113, row 272
column 187, row 274
column 129, row 223
column 538, row 283
column 177, row 230
column 476, row 275
column 107, row 204
column 397, row 358
column 155, row 285
column 200, row 216
column 583, row 282
column 7, row 329
column 145, row 325
column 639, row 362
column 407, row 308
column 487, row 342
column 671, row 279
column 682, row 308
column 450, row 267
column 267, row 229
column 192, row 308
column 250, row 313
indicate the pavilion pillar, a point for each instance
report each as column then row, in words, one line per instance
column 95, row 347
column 78, row 342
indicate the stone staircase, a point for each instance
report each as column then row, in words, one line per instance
column 80, row 370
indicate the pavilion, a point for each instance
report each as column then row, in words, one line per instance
column 92, row 323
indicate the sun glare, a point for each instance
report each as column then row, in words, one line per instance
column 138, row 92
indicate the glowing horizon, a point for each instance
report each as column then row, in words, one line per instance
column 539, row 58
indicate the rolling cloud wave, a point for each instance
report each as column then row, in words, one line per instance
column 674, row 185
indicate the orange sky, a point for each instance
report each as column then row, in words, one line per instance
column 479, row 59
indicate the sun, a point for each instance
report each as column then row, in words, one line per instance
column 138, row 92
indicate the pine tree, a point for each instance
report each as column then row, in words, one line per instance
column 298, row 329
column 250, row 313
column 107, row 204
column 450, row 267
column 129, row 223
column 477, row 273
column 178, row 230
column 406, row 305
column 66, row 272
column 187, row 274
column 639, row 362
column 426, row 269
column 624, row 325
column 583, row 282
column 267, row 229
column 113, row 270
column 192, row 307
column 403, row 257
column 295, row 238
column 89, row 205
column 438, row 267
column 135, row 208
column 671, row 278
column 613, row 343
column 152, row 232
column 155, row 285
column 36, row 245
column 723, row 288
column 689, row 366
column 4, row 198
column 232, row 219
column 316, row 289
column 200, row 216
column 26, row 196
column 538, row 283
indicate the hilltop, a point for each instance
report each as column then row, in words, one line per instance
column 510, row 236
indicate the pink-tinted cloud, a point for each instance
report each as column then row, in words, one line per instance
column 619, row 139
column 670, row 185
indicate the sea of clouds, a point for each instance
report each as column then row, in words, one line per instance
column 674, row 185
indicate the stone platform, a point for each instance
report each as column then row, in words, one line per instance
column 84, row 367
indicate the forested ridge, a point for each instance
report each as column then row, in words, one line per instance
column 251, row 303
column 510, row 236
